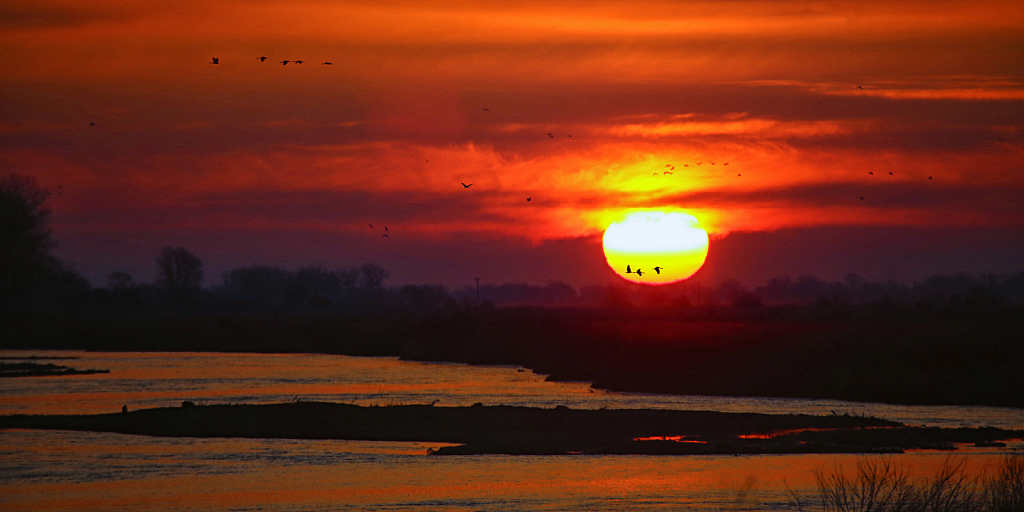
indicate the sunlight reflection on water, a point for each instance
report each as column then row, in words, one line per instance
column 159, row 379
column 60, row 470
column 86, row 471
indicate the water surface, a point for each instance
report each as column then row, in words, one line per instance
column 161, row 379
column 86, row 471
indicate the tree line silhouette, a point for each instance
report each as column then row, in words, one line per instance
column 33, row 280
column 949, row 339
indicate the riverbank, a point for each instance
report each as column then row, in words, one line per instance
column 769, row 353
column 29, row 369
column 530, row 431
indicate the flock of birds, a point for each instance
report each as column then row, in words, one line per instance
column 640, row 273
column 216, row 60
column 672, row 167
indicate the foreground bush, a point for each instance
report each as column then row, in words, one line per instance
column 881, row 486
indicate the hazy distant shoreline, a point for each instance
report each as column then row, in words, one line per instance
column 772, row 352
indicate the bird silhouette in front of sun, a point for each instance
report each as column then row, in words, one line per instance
column 712, row 163
column 285, row 62
column 628, row 270
column 727, row 163
column 528, row 199
column 550, row 136
column 371, row 225
column 215, row 61
column 658, row 270
column 261, row 59
column 385, row 235
column 639, row 273
column 698, row 163
column 861, row 198
column 299, row 61
column 327, row 64
column 466, row 186
column 667, row 172
column 386, row 228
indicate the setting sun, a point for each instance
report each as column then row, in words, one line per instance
column 654, row 247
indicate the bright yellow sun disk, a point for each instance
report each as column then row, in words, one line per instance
column 673, row 242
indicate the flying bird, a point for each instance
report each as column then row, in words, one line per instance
column 668, row 165
column 487, row 109
column 859, row 87
column 327, row 64
column 890, row 174
column 871, row 173
column 549, row 135
column 385, row 235
column 738, row 175
column 929, row 177
column 639, row 273
column 215, row 61
column 668, row 172
column 386, row 228
column 466, row 186
column 529, row 198
column 261, row 59
column 712, row 163
column 285, row 62
column 861, row 198
column 686, row 165
column 299, row 62
column 92, row 124
column 698, row 163
column 727, row 163
column 655, row 174
column 371, row 225
column 628, row 271
column 658, row 269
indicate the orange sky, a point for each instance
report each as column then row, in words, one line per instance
column 259, row 163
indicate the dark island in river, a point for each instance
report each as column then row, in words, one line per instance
column 530, row 431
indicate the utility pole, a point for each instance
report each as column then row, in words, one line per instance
column 477, row 292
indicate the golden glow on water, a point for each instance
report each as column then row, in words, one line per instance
column 665, row 247
column 161, row 474
column 60, row 470
column 164, row 379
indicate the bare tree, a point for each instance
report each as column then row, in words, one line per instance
column 119, row 280
column 349, row 277
column 179, row 269
column 25, row 240
column 372, row 276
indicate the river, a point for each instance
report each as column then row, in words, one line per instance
column 61, row 470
